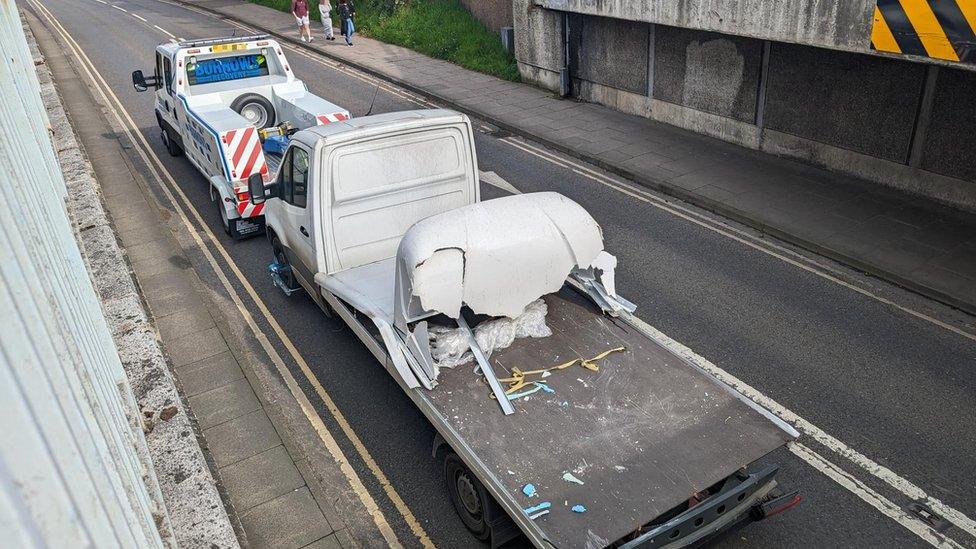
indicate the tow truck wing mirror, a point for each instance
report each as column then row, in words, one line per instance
column 142, row 82
column 139, row 81
column 255, row 187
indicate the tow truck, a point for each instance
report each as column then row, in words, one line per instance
column 212, row 98
column 575, row 427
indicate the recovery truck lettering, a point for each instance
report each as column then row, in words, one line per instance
column 226, row 68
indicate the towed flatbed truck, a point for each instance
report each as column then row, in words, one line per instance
column 588, row 433
column 212, row 97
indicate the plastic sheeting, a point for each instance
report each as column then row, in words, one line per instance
column 449, row 347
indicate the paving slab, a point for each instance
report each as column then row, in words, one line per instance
column 195, row 346
column 209, row 374
column 261, row 478
column 224, row 403
column 289, row 521
column 241, row 438
column 195, row 318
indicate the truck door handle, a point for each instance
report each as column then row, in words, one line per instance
column 304, row 232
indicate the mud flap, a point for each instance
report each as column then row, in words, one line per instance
column 241, row 228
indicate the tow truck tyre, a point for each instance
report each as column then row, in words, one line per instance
column 255, row 109
column 172, row 147
column 470, row 499
column 224, row 220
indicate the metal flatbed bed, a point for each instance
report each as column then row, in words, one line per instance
column 644, row 433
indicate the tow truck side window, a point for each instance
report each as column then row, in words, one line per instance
column 294, row 177
column 168, row 73
column 159, row 68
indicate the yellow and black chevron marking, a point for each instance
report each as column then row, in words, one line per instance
column 941, row 29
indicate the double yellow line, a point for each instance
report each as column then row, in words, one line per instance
column 184, row 207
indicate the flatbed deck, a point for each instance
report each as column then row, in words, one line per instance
column 644, row 433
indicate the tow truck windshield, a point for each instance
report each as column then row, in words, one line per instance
column 223, row 69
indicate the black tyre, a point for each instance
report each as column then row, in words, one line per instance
column 255, row 109
column 470, row 499
column 282, row 259
column 172, row 147
column 222, row 212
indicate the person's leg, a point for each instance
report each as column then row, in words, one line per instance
column 301, row 30
column 326, row 22
column 352, row 30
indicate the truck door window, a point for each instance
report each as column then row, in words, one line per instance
column 168, row 73
column 159, row 68
column 299, row 174
column 294, row 177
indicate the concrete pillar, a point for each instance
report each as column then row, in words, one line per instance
column 538, row 44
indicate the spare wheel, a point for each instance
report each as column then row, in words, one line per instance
column 256, row 109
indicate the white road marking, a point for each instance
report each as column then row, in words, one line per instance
column 872, row 498
column 102, row 2
column 164, row 31
column 738, row 235
column 496, row 180
column 145, row 151
column 120, row 9
column 139, row 17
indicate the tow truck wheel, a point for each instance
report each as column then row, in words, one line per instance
column 469, row 497
column 224, row 220
column 282, row 259
column 255, row 109
column 171, row 146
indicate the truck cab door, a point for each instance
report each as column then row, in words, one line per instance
column 295, row 216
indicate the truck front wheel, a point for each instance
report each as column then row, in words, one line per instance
column 172, row 147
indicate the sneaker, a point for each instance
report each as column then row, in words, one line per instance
column 309, row 39
column 303, row 39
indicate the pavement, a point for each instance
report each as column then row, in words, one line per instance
column 868, row 372
column 923, row 246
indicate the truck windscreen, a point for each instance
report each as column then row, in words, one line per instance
column 223, row 69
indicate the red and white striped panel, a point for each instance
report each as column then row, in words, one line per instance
column 334, row 117
column 242, row 148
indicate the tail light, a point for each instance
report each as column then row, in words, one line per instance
column 243, row 196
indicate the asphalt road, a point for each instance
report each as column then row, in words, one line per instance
column 897, row 388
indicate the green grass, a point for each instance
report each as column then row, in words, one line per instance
column 439, row 28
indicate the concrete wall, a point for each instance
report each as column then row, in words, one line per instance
column 852, row 112
column 495, row 14
column 709, row 72
column 72, row 465
column 829, row 23
column 538, row 43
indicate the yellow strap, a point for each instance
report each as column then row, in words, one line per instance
column 519, row 378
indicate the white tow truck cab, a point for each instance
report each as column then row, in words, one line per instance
column 212, row 95
column 625, row 443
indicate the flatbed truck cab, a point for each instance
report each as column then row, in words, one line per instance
column 211, row 98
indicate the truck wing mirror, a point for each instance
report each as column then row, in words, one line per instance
column 140, row 83
column 255, row 187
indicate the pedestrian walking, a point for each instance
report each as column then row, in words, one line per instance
column 346, row 12
column 325, row 10
column 299, row 8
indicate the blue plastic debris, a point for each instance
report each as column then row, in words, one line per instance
column 516, row 396
column 579, row 509
column 278, row 273
column 538, row 510
column 544, row 387
column 529, row 489
column 276, row 144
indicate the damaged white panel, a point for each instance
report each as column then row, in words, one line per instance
column 513, row 250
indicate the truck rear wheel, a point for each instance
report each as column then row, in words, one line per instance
column 172, row 147
column 471, row 501
column 255, row 109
